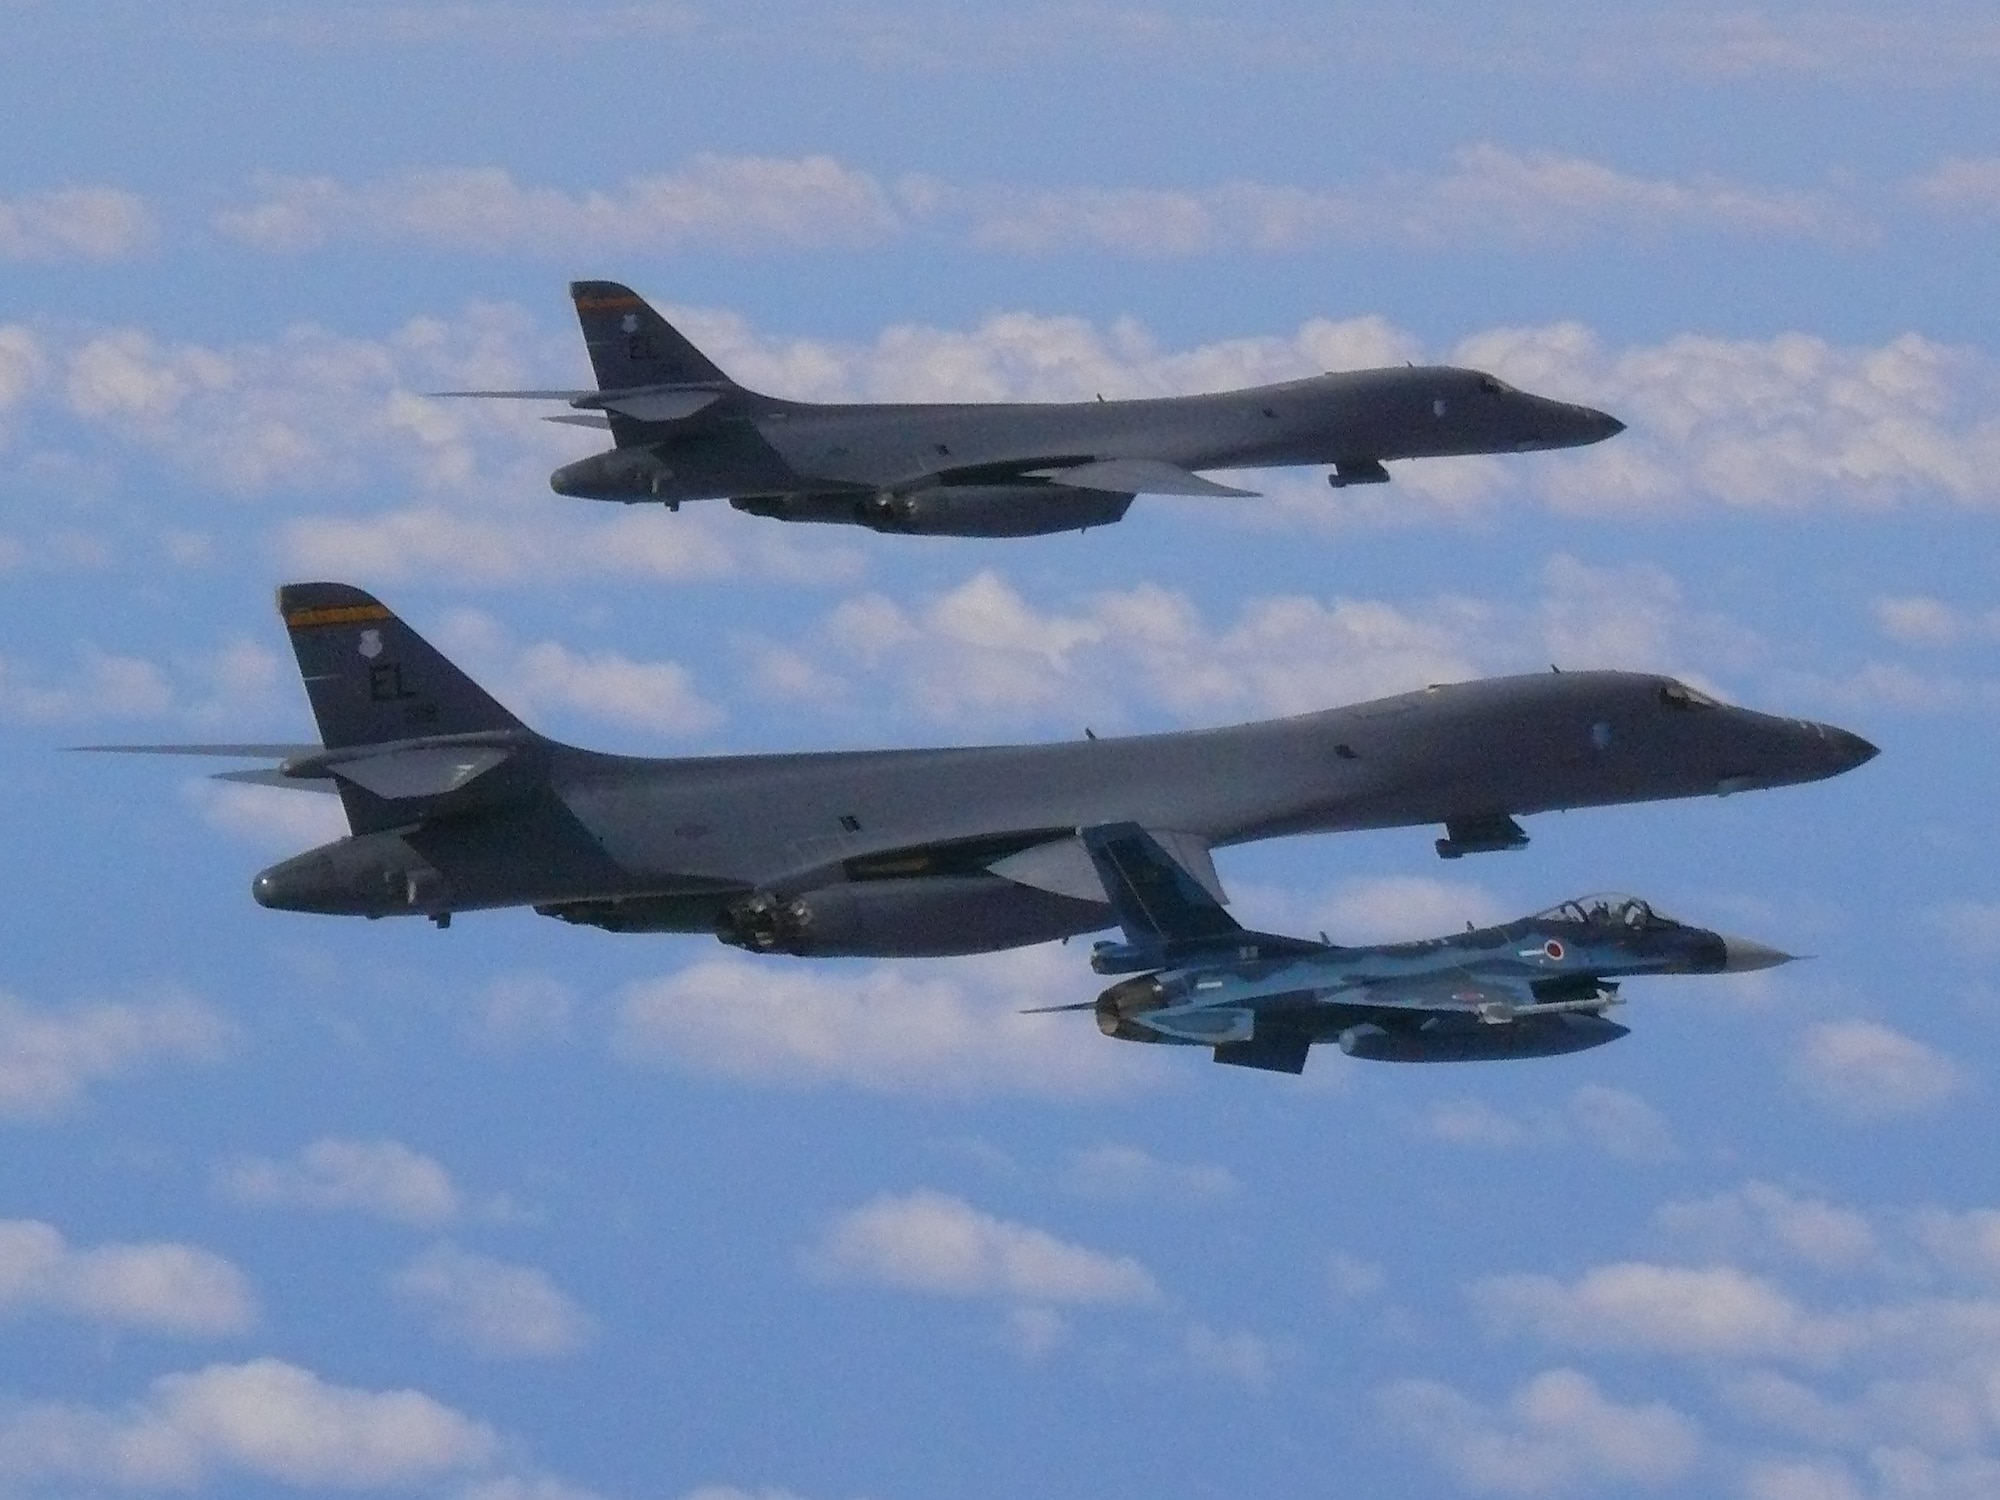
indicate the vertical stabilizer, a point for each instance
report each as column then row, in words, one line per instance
column 371, row 678
column 632, row 346
column 1155, row 899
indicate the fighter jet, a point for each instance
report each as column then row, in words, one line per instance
column 683, row 431
column 456, row 805
column 1533, row 988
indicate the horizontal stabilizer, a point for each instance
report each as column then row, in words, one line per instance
column 238, row 752
column 271, row 776
column 1137, row 476
column 582, row 419
column 427, row 772
column 520, row 395
column 644, row 403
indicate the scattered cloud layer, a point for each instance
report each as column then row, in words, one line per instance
column 721, row 202
column 816, row 203
column 383, row 1178
column 1614, row 1121
column 940, row 1245
column 263, row 1421
column 658, row 696
column 907, row 1027
column 76, row 224
column 982, row 652
column 154, row 1288
column 1864, row 1071
column 1558, row 1434
column 50, row 1055
column 495, row 1309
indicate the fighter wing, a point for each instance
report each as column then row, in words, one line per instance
column 1457, row 992
column 1135, row 476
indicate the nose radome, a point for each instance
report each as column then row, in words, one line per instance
column 1853, row 749
column 1742, row 955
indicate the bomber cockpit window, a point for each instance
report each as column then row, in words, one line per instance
column 1680, row 695
column 1494, row 386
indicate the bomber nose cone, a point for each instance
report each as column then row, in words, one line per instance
column 266, row 890
column 1850, row 747
column 1741, row 955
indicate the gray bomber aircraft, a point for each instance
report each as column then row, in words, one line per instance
column 1537, row 987
column 456, row 805
column 683, row 430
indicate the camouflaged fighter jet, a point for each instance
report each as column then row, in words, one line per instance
column 1538, row 987
column 456, row 805
column 683, row 430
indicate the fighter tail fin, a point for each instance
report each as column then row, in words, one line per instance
column 371, row 678
column 1156, row 901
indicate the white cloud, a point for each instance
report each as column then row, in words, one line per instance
column 1613, row 1121
column 727, row 202
column 1238, row 1356
column 383, row 1178
column 1962, row 183
column 22, row 365
column 932, row 1243
column 1919, row 620
column 1761, row 1219
column 1489, row 192
column 905, row 1027
column 270, row 817
column 983, row 651
column 1867, row 1071
column 158, row 1287
column 1697, row 1311
column 518, row 1009
column 1559, row 1433
column 1972, row 926
column 1799, row 1479
column 1349, row 1278
column 1119, row 1171
column 103, row 685
column 1473, row 1122
column 1967, row 1242
column 1396, row 908
column 48, row 1056
column 81, row 223
column 265, row 1420
column 494, row 1308
column 1621, row 1124
column 574, row 540
column 747, row 203
column 652, row 695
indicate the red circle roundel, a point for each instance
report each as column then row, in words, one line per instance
column 1554, row 949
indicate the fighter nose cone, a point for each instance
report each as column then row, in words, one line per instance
column 1741, row 955
column 1606, row 425
column 1850, row 747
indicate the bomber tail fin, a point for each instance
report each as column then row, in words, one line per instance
column 631, row 346
column 371, row 678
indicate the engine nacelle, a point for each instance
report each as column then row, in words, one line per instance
column 1473, row 1040
column 990, row 510
column 933, row 917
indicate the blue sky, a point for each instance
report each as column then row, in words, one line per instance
column 525, row 1212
